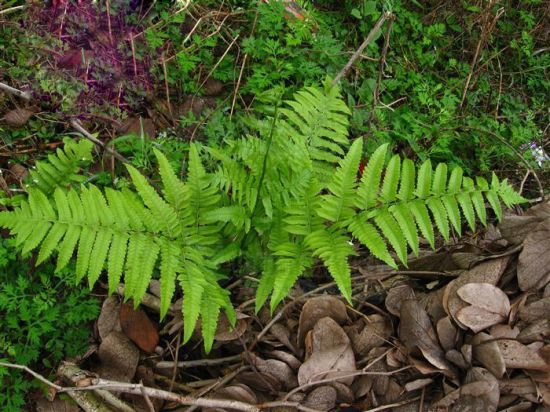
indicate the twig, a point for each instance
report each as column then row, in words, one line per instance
column 198, row 362
column 488, row 25
column 19, row 93
column 31, row 372
column 382, row 63
column 147, row 399
column 218, row 62
column 359, row 51
column 78, row 126
column 12, row 9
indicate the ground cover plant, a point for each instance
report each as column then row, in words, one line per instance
column 169, row 151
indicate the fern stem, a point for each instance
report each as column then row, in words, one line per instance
column 264, row 164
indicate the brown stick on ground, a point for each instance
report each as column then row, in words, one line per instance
column 16, row 92
column 359, row 51
column 75, row 123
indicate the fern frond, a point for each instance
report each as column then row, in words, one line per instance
column 339, row 204
column 62, row 169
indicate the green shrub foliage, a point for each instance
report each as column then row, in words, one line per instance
column 278, row 201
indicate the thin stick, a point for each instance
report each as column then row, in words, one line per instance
column 219, row 61
column 12, row 9
column 24, row 95
column 147, row 398
column 361, row 48
column 198, row 362
column 382, row 63
column 31, row 372
column 108, row 5
column 78, row 126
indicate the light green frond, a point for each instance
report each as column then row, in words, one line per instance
column 367, row 193
column 368, row 235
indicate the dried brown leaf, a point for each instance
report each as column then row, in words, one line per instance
column 537, row 331
column 278, row 369
column 119, row 357
column 517, row 355
column 17, row 117
column 486, row 351
column 286, row 357
column 225, row 332
column 138, row 327
column 447, row 333
column 238, row 392
column 416, row 332
column 322, row 398
column 370, row 333
column 537, row 310
column 534, row 259
column 485, row 296
column 486, row 272
column 317, row 308
column 477, row 319
column 396, row 296
column 109, row 317
column 516, row 228
column 331, row 353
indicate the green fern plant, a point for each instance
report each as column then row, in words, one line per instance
column 62, row 168
column 278, row 201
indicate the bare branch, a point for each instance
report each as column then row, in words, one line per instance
column 16, row 92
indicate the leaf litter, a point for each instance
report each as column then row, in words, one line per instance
column 475, row 337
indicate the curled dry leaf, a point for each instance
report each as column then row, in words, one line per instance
column 119, row 357
column 331, row 354
column 322, row 398
column 417, row 384
column 17, row 117
column 138, row 327
column 344, row 394
column 517, row 355
column 317, row 308
column 282, row 334
column 534, row 259
column 416, row 332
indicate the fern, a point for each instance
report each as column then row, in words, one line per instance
column 62, row 169
column 280, row 199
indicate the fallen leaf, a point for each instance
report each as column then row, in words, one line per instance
column 19, row 172
column 138, row 327
column 263, row 382
column 515, row 228
column 225, row 332
column 138, row 126
column 369, row 333
column 331, row 353
column 534, row 259
column 486, row 272
column 417, row 384
column 322, row 398
column 344, row 394
column 238, row 392
column 396, row 296
column 119, row 357
column 278, row 369
column 536, row 310
column 456, row 358
column 486, row 351
column 282, row 334
column 317, row 308
column 477, row 319
column 504, row 332
column 517, row 355
column 447, row 333
column 416, row 332
column 17, row 117
column 485, row 296
column 286, row 357
column 537, row 331
column 109, row 317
